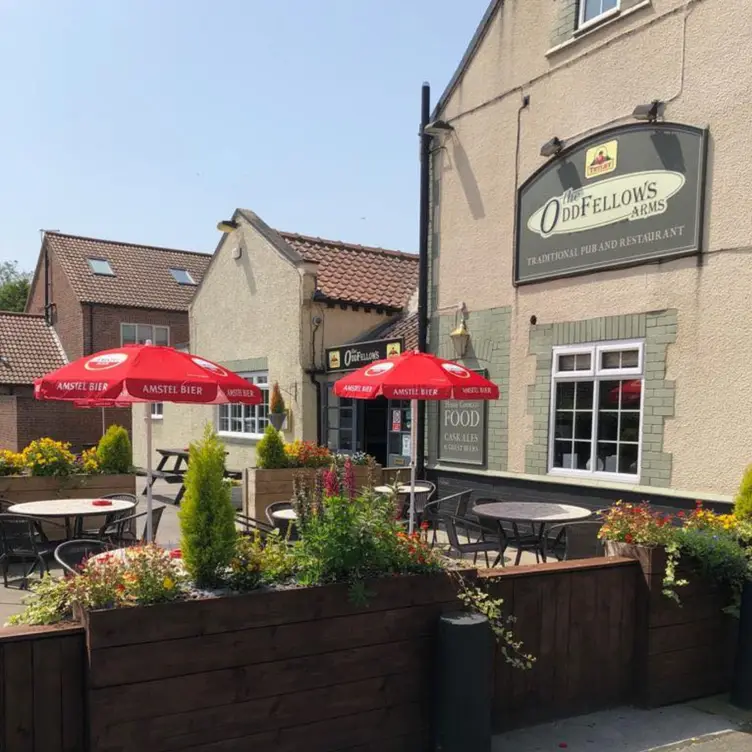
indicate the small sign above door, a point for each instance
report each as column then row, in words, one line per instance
column 350, row 357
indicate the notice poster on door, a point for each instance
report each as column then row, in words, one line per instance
column 406, row 446
column 396, row 420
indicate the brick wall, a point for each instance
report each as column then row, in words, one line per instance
column 8, row 423
column 107, row 320
column 67, row 315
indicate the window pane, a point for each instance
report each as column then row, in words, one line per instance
column 630, row 394
column 564, row 396
column 345, row 441
column 101, row 266
column 608, row 426
column 583, row 426
column 563, row 424
column 630, row 427
column 144, row 333
column 630, row 358
column 584, row 395
column 157, row 409
column 562, row 454
column 129, row 334
column 566, row 363
column 161, row 335
column 182, row 276
column 611, row 359
column 582, row 362
column 607, row 458
column 582, row 450
column 609, row 395
column 628, row 458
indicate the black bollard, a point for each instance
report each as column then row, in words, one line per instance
column 464, row 670
column 741, row 688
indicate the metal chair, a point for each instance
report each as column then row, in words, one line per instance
column 575, row 540
column 481, row 545
column 119, row 534
column 23, row 541
column 250, row 525
column 72, row 554
column 456, row 505
column 113, row 517
column 5, row 505
column 284, row 526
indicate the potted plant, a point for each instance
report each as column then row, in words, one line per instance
column 277, row 409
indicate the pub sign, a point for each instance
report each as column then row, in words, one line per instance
column 462, row 431
column 350, row 357
column 629, row 195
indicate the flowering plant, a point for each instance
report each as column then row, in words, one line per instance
column 307, row 454
column 11, row 463
column 49, row 457
column 637, row 524
column 88, row 462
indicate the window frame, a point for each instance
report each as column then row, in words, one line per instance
column 151, row 326
column 596, row 374
column 600, row 18
column 190, row 281
column 91, row 259
column 265, row 387
column 158, row 415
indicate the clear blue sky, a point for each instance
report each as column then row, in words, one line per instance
column 150, row 120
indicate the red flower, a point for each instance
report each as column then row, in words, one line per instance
column 176, row 553
column 628, row 538
column 425, row 525
column 682, row 515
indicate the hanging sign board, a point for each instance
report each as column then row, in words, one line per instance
column 629, row 195
column 350, row 357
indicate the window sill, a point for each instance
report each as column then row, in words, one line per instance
column 157, row 417
column 597, row 24
column 240, row 436
column 633, row 480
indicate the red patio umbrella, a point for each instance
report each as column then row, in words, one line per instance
column 415, row 376
column 145, row 373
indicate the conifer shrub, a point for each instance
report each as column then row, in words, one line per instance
column 114, row 452
column 270, row 451
column 743, row 500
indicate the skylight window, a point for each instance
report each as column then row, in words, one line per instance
column 101, row 266
column 182, row 276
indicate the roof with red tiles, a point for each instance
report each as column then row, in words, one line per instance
column 140, row 278
column 357, row 273
column 404, row 325
column 28, row 348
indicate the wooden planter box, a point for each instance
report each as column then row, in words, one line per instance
column 275, row 670
column 264, row 487
column 685, row 650
column 24, row 488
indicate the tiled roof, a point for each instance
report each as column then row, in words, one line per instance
column 28, row 348
column 405, row 325
column 357, row 273
column 142, row 276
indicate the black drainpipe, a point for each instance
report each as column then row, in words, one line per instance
column 425, row 174
column 47, row 316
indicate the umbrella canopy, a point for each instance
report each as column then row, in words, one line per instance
column 145, row 373
column 416, row 376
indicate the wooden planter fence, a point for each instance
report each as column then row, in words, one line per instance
column 306, row 669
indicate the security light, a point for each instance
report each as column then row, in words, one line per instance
column 437, row 128
column 552, row 148
column 650, row 112
column 227, row 225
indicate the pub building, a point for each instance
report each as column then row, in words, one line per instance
column 589, row 250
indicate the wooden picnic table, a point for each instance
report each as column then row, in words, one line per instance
column 176, row 474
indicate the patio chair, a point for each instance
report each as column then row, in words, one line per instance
column 575, row 540
column 71, row 554
column 456, row 504
column 249, row 525
column 22, row 540
column 283, row 525
column 5, row 505
column 120, row 533
column 454, row 525
column 113, row 517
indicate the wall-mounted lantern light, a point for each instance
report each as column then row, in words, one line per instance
column 460, row 336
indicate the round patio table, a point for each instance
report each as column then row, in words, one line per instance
column 285, row 514
column 70, row 508
column 535, row 514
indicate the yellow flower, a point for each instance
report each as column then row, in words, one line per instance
column 168, row 583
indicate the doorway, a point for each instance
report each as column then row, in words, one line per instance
column 375, row 413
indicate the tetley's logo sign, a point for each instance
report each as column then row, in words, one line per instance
column 635, row 196
column 627, row 196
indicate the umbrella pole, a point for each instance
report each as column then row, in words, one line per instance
column 413, row 461
column 147, row 418
column 104, row 423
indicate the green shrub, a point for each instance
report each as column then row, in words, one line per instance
column 207, row 518
column 276, row 403
column 114, row 452
column 270, row 451
column 743, row 500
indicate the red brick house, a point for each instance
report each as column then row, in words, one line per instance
column 97, row 294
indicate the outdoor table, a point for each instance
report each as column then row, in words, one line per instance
column 285, row 514
column 535, row 514
column 70, row 508
column 124, row 554
column 175, row 474
column 403, row 494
